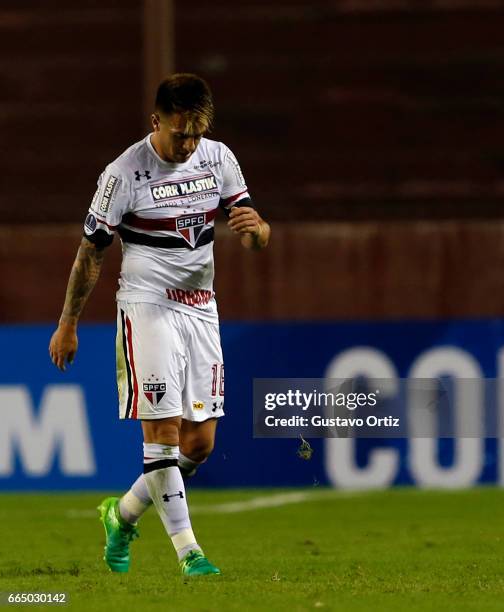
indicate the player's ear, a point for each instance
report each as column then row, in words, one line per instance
column 155, row 122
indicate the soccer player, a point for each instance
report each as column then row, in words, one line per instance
column 161, row 196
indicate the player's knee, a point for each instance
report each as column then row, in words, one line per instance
column 198, row 450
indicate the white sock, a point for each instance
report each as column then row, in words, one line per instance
column 187, row 466
column 136, row 501
column 167, row 491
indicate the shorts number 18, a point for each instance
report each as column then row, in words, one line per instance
column 218, row 379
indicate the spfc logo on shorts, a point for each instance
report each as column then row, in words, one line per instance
column 190, row 227
column 154, row 392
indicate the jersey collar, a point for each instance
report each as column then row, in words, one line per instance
column 165, row 164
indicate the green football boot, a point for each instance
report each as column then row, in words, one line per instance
column 118, row 535
column 196, row 564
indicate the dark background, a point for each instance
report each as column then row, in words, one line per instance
column 370, row 134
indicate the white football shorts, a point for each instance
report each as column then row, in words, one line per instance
column 168, row 364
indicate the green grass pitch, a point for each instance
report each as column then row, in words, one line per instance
column 402, row 549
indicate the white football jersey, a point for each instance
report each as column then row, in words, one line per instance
column 164, row 213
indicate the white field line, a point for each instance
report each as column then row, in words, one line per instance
column 256, row 503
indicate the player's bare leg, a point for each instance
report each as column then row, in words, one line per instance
column 196, row 443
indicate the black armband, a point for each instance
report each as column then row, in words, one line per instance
column 100, row 238
column 244, row 202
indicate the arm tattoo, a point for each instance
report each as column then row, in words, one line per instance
column 83, row 277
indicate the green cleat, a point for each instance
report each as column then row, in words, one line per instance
column 196, row 564
column 118, row 535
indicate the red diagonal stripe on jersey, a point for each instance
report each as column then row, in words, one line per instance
column 101, row 220
column 230, row 200
column 162, row 224
column 132, row 364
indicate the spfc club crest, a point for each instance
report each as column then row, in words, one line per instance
column 154, row 391
column 190, row 227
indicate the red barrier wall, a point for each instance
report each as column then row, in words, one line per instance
column 377, row 270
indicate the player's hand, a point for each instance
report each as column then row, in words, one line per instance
column 63, row 345
column 244, row 220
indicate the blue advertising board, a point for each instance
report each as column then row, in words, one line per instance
column 61, row 430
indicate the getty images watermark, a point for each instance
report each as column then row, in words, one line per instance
column 378, row 408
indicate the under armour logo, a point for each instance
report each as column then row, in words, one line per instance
column 166, row 497
column 138, row 174
column 216, row 406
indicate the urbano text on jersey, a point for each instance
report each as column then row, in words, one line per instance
column 198, row 297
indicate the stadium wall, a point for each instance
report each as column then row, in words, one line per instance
column 347, row 110
column 72, row 88
column 412, row 126
column 311, row 271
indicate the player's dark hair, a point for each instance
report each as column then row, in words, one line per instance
column 186, row 93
